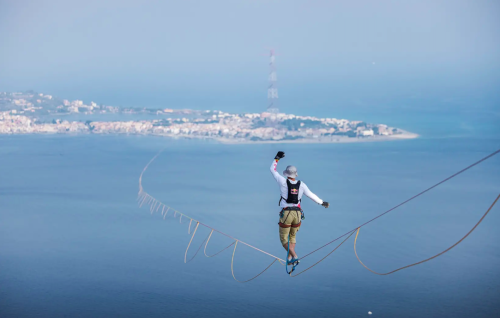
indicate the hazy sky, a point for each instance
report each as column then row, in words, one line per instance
column 214, row 52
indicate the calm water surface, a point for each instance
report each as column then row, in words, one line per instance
column 73, row 242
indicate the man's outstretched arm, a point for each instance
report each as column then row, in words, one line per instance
column 314, row 197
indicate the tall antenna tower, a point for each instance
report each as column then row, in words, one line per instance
column 272, row 91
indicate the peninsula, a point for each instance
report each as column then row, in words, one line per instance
column 36, row 113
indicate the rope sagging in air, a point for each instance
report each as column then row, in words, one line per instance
column 155, row 205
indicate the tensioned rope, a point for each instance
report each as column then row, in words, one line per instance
column 155, row 205
column 408, row 200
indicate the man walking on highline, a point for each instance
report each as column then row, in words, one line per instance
column 291, row 214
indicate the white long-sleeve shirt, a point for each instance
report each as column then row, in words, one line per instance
column 284, row 188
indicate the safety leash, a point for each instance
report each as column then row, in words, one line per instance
column 286, row 259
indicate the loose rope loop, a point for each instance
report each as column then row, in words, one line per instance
column 208, row 240
column 246, row 281
column 190, row 241
column 427, row 259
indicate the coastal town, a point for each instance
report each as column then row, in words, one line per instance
column 36, row 113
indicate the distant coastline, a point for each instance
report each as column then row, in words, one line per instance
column 35, row 113
column 404, row 135
column 321, row 140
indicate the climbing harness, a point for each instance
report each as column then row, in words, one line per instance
column 145, row 198
column 291, row 208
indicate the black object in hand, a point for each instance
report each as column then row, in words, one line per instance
column 325, row 204
column 280, row 155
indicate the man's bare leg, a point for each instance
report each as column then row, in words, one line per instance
column 292, row 249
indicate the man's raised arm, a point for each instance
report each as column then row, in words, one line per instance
column 275, row 173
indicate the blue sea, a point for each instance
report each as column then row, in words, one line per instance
column 74, row 243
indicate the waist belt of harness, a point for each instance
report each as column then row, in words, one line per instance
column 292, row 208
